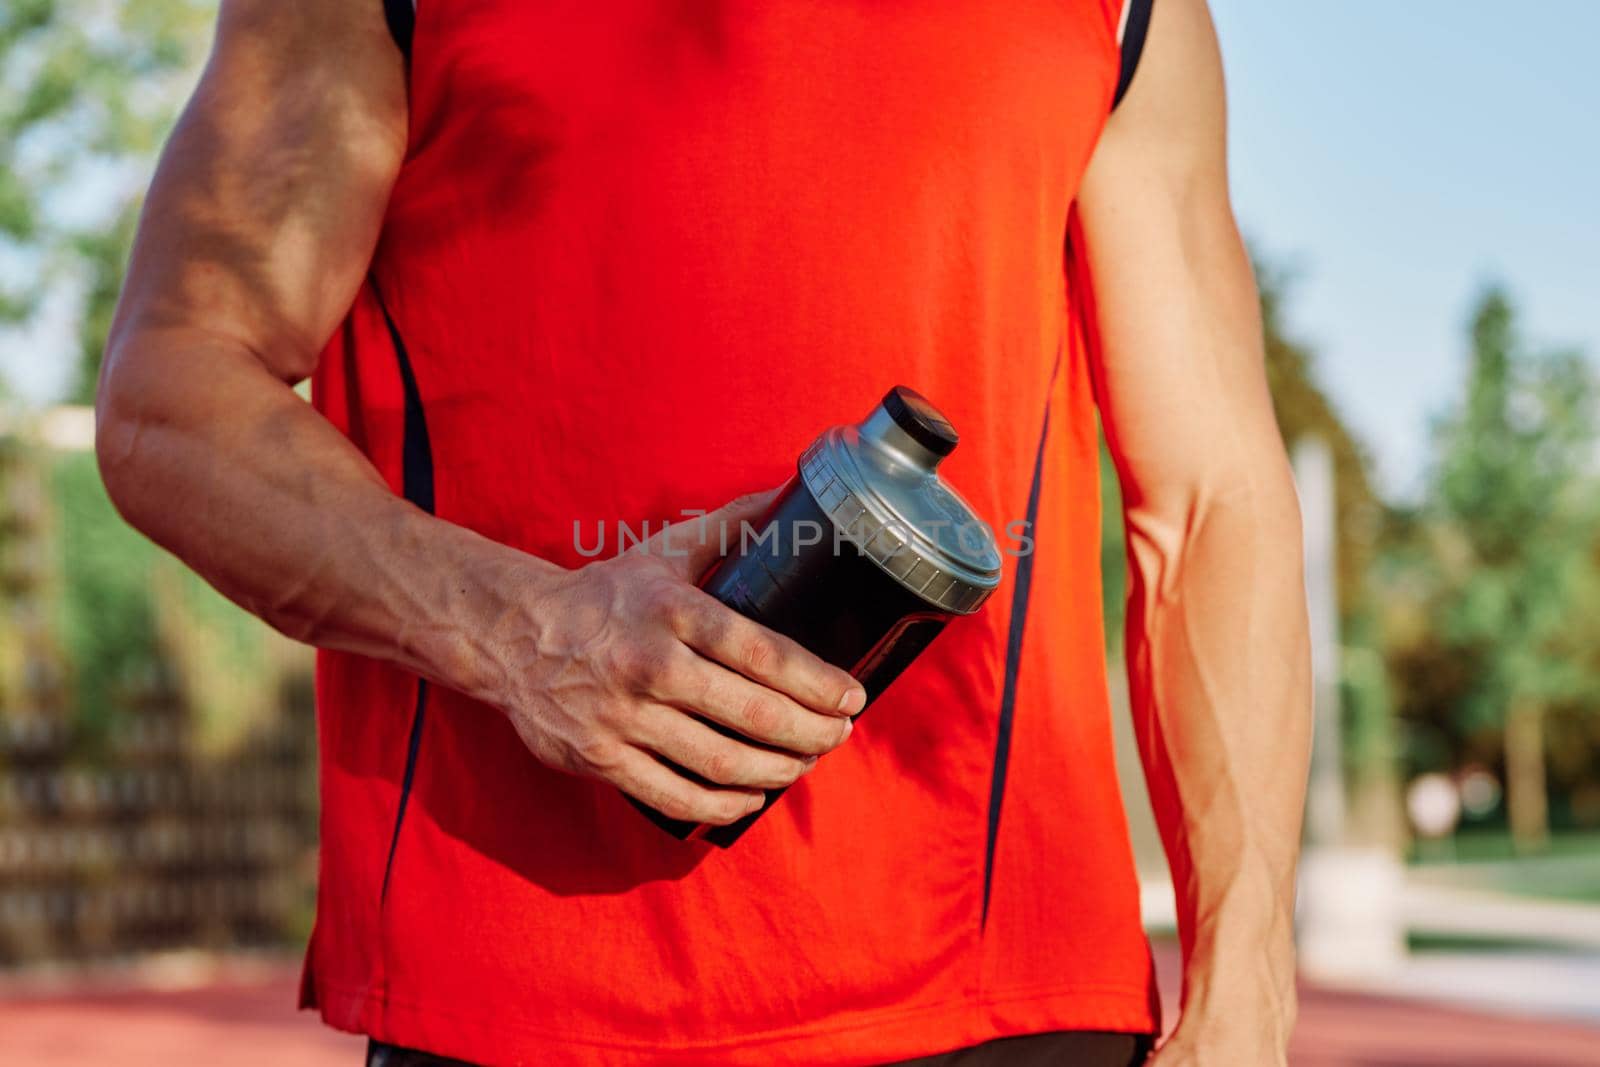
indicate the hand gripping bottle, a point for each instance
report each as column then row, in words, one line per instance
column 863, row 558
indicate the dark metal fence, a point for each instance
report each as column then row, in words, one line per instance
column 149, row 844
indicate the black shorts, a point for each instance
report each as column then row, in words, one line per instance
column 1065, row 1049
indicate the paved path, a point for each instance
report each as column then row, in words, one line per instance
column 250, row 1023
column 247, row 1021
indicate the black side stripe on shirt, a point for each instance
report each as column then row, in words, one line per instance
column 1019, row 620
column 402, row 18
column 1133, row 36
column 416, row 457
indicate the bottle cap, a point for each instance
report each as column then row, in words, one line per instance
column 879, row 482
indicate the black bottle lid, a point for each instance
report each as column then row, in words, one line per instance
column 912, row 412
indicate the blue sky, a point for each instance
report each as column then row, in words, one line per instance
column 1398, row 155
column 1401, row 154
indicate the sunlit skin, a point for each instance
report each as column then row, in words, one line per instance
column 256, row 235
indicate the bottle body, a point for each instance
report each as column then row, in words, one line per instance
column 862, row 559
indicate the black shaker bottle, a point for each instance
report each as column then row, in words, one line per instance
column 862, row 559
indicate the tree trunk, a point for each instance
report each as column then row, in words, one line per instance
column 1526, row 803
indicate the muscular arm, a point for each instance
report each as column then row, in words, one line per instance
column 255, row 237
column 1218, row 655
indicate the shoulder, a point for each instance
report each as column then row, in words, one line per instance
column 1173, row 115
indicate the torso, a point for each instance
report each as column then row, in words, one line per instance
column 638, row 256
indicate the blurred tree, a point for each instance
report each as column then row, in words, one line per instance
column 1502, row 553
column 87, row 90
column 104, row 615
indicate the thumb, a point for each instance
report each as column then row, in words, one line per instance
column 696, row 543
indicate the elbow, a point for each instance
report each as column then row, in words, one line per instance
column 1264, row 499
column 1260, row 490
column 1248, row 516
column 1257, row 506
column 118, row 422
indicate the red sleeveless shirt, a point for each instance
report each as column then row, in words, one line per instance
column 638, row 255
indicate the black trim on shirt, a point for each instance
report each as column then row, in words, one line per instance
column 416, row 457
column 1019, row 623
column 416, row 450
column 402, row 18
column 1133, row 37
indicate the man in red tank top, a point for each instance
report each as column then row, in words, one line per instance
column 564, row 267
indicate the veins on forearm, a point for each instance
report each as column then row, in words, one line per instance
column 1210, row 603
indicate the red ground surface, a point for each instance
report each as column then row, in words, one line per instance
column 250, row 1022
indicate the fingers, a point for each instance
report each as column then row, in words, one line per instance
column 719, row 633
column 715, row 756
column 698, row 685
column 694, row 544
column 641, row 775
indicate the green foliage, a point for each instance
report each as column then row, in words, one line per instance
column 1511, row 462
column 1492, row 584
column 1113, row 553
column 107, row 623
column 1511, row 524
column 87, row 90
column 132, row 619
